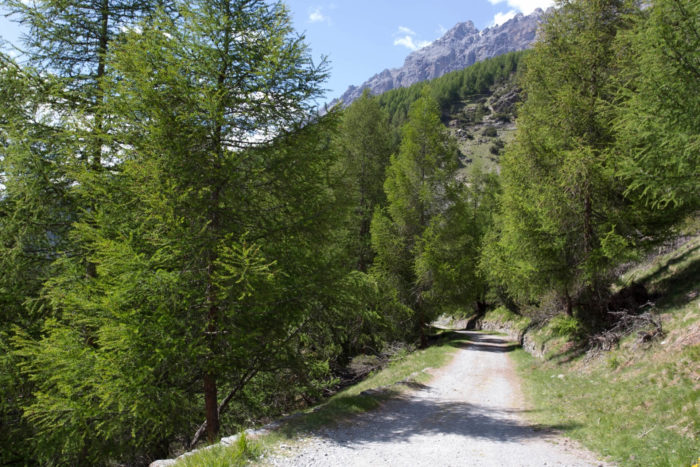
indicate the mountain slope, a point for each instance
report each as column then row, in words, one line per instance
column 460, row 47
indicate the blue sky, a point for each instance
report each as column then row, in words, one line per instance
column 363, row 37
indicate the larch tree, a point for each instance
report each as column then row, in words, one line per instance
column 419, row 186
column 70, row 41
column 659, row 113
column 36, row 211
column 52, row 129
column 564, row 218
column 451, row 246
column 212, row 243
column 365, row 139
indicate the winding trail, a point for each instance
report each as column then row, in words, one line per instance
column 470, row 414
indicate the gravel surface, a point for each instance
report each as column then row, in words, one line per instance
column 471, row 413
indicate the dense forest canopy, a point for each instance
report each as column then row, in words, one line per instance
column 188, row 247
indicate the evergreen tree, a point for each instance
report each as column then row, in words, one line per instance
column 419, row 187
column 365, row 138
column 36, row 210
column 659, row 117
column 564, row 219
column 452, row 244
column 213, row 242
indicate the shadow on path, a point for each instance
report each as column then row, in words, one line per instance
column 483, row 342
column 419, row 414
column 402, row 419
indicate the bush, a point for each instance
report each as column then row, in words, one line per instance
column 496, row 147
column 565, row 326
column 502, row 117
column 490, row 131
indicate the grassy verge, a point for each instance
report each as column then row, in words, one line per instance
column 644, row 414
column 502, row 315
column 639, row 403
column 239, row 453
column 399, row 376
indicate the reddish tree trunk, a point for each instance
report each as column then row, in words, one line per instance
column 212, row 408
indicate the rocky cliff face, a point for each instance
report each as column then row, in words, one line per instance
column 461, row 46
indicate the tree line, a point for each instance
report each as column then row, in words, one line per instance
column 187, row 245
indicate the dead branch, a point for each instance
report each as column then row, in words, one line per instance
column 647, row 326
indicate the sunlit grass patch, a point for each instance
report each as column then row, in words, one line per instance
column 240, row 453
column 638, row 406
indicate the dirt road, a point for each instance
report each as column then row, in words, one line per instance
column 470, row 414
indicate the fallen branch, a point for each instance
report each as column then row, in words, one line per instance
column 625, row 324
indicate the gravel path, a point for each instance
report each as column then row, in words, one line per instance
column 470, row 414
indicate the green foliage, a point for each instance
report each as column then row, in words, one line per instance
column 497, row 147
column 658, row 119
column 565, row 326
column 36, row 209
column 448, row 90
column 214, row 244
column 490, row 131
column 240, row 453
column 429, row 235
column 564, row 221
column 365, row 143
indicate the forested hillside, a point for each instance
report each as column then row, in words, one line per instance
column 187, row 247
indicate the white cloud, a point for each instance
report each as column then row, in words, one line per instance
column 317, row 16
column 409, row 43
column 441, row 30
column 406, row 39
column 501, row 17
column 525, row 6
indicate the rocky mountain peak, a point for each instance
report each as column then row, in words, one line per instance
column 460, row 31
column 460, row 47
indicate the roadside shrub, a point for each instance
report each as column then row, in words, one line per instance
column 565, row 326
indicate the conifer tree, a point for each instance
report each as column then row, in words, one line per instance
column 419, row 186
column 659, row 118
column 365, row 138
column 212, row 243
column 564, row 218
column 36, row 210
column 452, row 244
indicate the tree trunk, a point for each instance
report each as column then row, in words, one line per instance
column 364, row 260
column 212, row 408
column 569, row 305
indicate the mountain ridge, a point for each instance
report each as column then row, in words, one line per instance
column 461, row 46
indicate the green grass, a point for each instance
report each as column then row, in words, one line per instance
column 479, row 153
column 503, row 315
column 639, row 414
column 664, row 273
column 637, row 404
column 239, row 453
